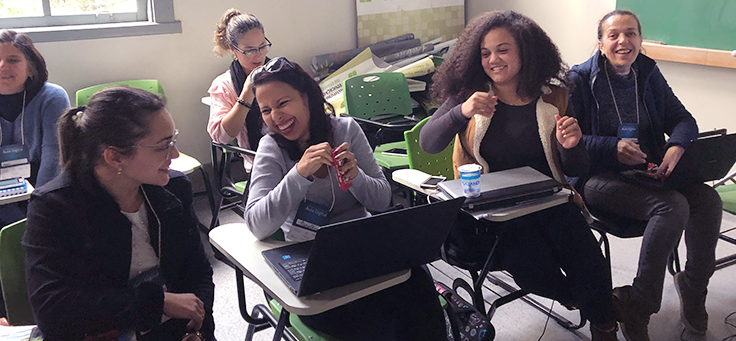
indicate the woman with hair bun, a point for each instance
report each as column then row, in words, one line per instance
column 234, row 113
column 111, row 253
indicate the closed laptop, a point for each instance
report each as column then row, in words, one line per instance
column 504, row 188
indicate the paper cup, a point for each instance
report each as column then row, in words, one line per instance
column 470, row 178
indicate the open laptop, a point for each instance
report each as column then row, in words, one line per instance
column 360, row 249
column 707, row 159
column 504, row 188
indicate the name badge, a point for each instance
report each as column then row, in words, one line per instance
column 628, row 131
column 311, row 215
column 14, row 162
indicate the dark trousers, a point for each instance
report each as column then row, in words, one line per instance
column 551, row 253
column 696, row 209
column 404, row 312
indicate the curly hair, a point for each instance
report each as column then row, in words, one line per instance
column 231, row 27
column 462, row 73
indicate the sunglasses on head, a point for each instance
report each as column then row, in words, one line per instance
column 273, row 66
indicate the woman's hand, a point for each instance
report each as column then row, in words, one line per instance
column 184, row 306
column 629, row 153
column 671, row 158
column 568, row 131
column 314, row 157
column 479, row 103
column 348, row 165
column 247, row 94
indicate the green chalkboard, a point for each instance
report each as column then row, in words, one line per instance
column 708, row 24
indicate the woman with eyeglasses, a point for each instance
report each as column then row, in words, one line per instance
column 233, row 109
column 294, row 173
column 113, row 250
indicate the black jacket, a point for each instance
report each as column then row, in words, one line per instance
column 78, row 252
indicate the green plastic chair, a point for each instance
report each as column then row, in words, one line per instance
column 184, row 163
column 728, row 196
column 381, row 100
column 432, row 164
column 13, row 274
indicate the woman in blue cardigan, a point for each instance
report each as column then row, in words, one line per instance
column 29, row 108
column 625, row 107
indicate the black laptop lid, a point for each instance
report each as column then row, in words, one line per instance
column 360, row 249
column 707, row 159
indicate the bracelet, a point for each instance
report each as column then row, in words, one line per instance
column 243, row 103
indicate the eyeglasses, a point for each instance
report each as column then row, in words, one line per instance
column 164, row 148
column 250, row 52
column 273, row 66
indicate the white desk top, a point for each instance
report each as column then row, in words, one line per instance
column 20, row 197
column 412, row 178
column 239, row 245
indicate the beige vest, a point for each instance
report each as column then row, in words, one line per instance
column 552, row 102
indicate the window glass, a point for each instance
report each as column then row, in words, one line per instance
column 20, row 8
column 71, row 7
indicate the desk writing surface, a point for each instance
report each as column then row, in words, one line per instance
column 19, row 197
column 239, row 245
column 412, row 178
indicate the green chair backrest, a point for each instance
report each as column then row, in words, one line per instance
column 373, row 94
column 150, row 85
column 13, row 274
column 433, row 164
column 728, row 196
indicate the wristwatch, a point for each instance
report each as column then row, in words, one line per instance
column 243, row 103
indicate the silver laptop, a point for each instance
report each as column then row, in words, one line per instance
column 504, row 188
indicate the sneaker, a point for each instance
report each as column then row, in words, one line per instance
column 634, row 323
column 692, row 306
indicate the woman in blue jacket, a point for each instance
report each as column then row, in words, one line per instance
column 625, row 107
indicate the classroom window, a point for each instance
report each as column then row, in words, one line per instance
column 35, row 13
column 59, row 20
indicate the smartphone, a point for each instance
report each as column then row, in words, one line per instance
column 432, row 182
column 395, row 151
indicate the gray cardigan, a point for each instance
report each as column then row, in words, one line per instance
column 277, row 189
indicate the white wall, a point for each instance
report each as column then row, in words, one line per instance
column 708, row 92
column 185, row 64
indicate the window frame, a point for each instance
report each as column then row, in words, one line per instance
column 153, row 17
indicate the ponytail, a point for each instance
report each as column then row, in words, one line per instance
column 70, row 135
column 233, row 24
column 115, row 116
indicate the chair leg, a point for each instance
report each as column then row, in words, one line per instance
column 210, row 194
column 216, row 213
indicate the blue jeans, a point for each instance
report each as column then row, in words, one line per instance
column 695, row 209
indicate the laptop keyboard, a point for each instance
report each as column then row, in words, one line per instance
column 295, row 268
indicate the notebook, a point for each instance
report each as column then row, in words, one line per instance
column 504, row 188
column 360, row 249
column 707, row 159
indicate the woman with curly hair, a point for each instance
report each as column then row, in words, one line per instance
column 498, row 92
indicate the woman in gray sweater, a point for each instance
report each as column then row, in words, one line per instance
column 295, row 187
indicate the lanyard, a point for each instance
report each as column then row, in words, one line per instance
column 22, row 118
column 636, row 89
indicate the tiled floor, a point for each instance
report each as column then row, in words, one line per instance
column 517, row 320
